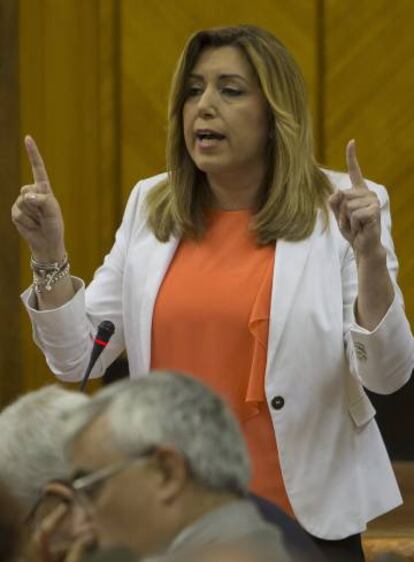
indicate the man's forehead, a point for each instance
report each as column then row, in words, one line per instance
column 94, row 445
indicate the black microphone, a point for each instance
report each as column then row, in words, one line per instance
column 105, row 332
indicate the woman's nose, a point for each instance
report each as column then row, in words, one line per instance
column 207, row 103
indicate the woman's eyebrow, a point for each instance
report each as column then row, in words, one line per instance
column 223, row 76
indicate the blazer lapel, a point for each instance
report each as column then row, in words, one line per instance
column 290, row 262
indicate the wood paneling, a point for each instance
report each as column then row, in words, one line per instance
column 153, row 35
column 68, row 67
column 394, row 531
column 368, row 92
column 10, row 354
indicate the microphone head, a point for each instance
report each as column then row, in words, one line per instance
column 105, row 331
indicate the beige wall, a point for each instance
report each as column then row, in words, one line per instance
column 93, row 87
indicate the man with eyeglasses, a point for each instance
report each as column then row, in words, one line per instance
column 160, row 466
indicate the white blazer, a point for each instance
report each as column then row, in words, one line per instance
column 335, row 467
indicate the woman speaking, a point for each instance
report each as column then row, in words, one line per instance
column 253, row 269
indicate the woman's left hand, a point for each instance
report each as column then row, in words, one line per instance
column 357, row 210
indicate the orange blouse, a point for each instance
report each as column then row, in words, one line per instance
column 211, row 320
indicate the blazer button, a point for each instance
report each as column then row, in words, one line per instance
column 277, row 402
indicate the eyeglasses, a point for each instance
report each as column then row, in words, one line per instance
column 85, row 486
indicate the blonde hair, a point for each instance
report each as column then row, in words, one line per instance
column 294, row 187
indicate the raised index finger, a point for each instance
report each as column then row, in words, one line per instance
column 36, row 161
column 355, row 174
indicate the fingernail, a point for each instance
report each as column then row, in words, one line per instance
column 31, row 196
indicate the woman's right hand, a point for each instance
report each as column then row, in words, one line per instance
column 36, row 212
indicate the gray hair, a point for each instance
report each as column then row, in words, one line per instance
column 31, row 440
column 166, row 408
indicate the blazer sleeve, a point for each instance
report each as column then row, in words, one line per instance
column 383, row 358
column 65, row 334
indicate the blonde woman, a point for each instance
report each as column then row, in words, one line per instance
column 256, row 271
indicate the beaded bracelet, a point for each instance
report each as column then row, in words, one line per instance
column 45, row 275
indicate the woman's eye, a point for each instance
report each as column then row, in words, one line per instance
column 194, row 91
column 233, row 92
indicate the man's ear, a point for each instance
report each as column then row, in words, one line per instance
column 173, row 471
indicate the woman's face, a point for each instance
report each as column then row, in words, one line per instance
column 225, row 116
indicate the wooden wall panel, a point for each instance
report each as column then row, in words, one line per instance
column 152, row 37
column 68, row 66
column 368, row 88
column 10, row 349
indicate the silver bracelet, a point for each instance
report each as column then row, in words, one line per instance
column 45, row 275
column 42, row 267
